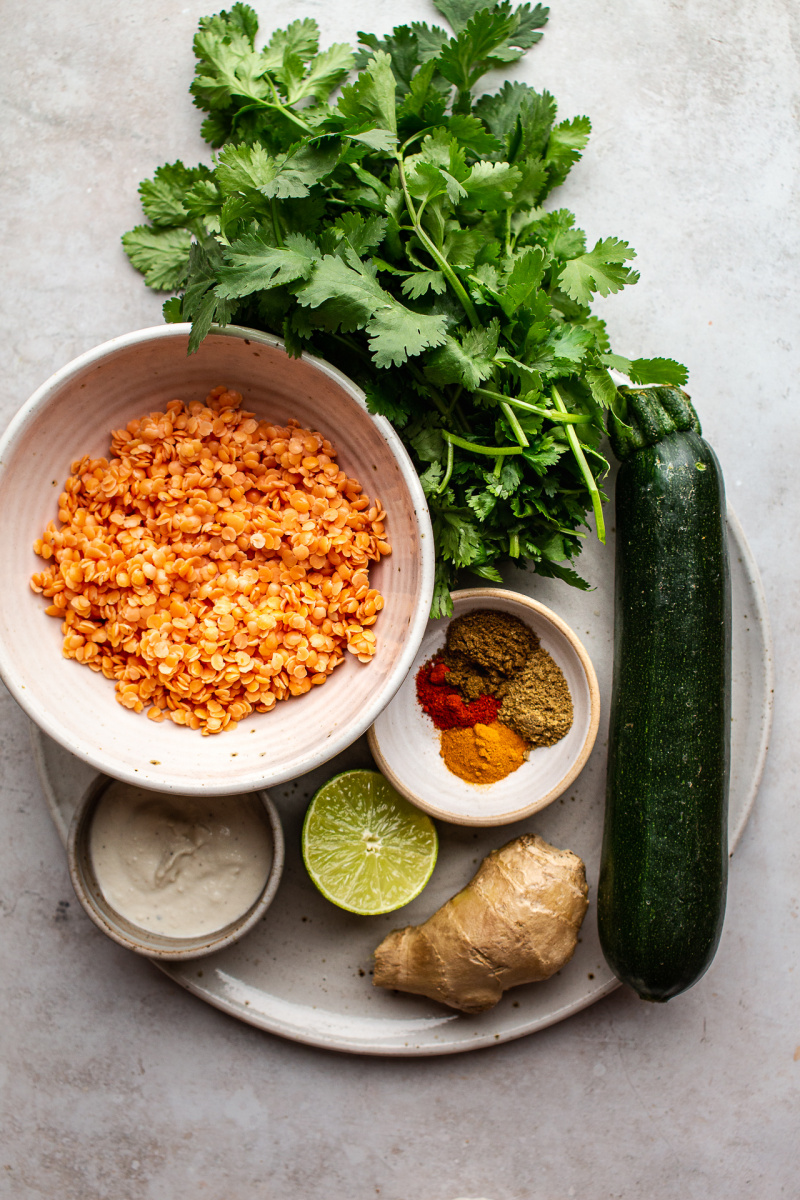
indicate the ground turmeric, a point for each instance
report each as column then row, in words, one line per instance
column 483, row 753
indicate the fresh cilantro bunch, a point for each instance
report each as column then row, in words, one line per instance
column 397, row 227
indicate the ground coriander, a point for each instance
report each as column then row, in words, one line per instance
column 536, row 703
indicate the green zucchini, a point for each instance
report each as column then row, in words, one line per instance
column 663, row 874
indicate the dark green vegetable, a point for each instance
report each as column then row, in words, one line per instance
column 661, row 896
column 396, row 225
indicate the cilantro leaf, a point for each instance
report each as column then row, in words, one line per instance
column 300, row 39
column 417, row 283
column 459, row 12
column 658, row 370
column 241, row 22
column 556, row 571
column 570, row 343
column 565, row 147
column 476, row 48
column 173, row 310
column 602, row 387
column 499, row 112
column 457, row 535
column 468, row 361
column 162, row 255
column 254, row 264
column 529, row 22
column 402, row 47
column 250, row 168
column 520, row 117
column 522, row 284
column 431, row 478
column 372, row 96
column 325, row 72
column 356, row 293
column 599, row 270
column 396, row 333
column 362, row 233
column 430, row 40
column 163, row 195
column 490, row 186
column 543, row 455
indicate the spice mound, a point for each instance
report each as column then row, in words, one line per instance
column 214, row 565
column 495, row 693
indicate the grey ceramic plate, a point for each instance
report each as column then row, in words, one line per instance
column 304, row 972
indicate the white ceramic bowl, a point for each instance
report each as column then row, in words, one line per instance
column 405, row 742
column 141, row 941
column 72, row 414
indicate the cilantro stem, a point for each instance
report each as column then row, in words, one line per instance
column 434, row 395
column 456, row 397
column 276, row 222
column 552, row 414
column 583, row 467
column 359, row 351
column 519, row 432
column 491, row 451
column 287, row 112
column 420, row 133
column 513, row 545
column 448, row 470
column 438, row 258
column 258, row 103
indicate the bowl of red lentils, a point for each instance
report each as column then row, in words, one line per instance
column 217, row 568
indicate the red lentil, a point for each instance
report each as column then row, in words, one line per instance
column 214, row 565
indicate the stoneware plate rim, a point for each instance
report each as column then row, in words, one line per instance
column 289, row 998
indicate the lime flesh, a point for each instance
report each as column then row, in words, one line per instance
column 366, row 848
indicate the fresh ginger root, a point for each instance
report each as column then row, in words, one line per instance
column 516, row 922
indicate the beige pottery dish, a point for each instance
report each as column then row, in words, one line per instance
column 406, row 744
column 72, row 414
column 143, row 941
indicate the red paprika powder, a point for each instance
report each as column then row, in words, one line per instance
column 443, row 703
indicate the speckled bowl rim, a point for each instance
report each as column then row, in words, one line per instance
column 154, row 946
column 514, row 599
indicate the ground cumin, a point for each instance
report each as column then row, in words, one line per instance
column 484, row 753
column 484, row 648
column 536, row 703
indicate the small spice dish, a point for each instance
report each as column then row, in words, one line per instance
column 406, row 744
column 82, row 848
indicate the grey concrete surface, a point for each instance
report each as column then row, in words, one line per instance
column 116, row 1085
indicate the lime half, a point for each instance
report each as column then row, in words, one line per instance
column 367, row 848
